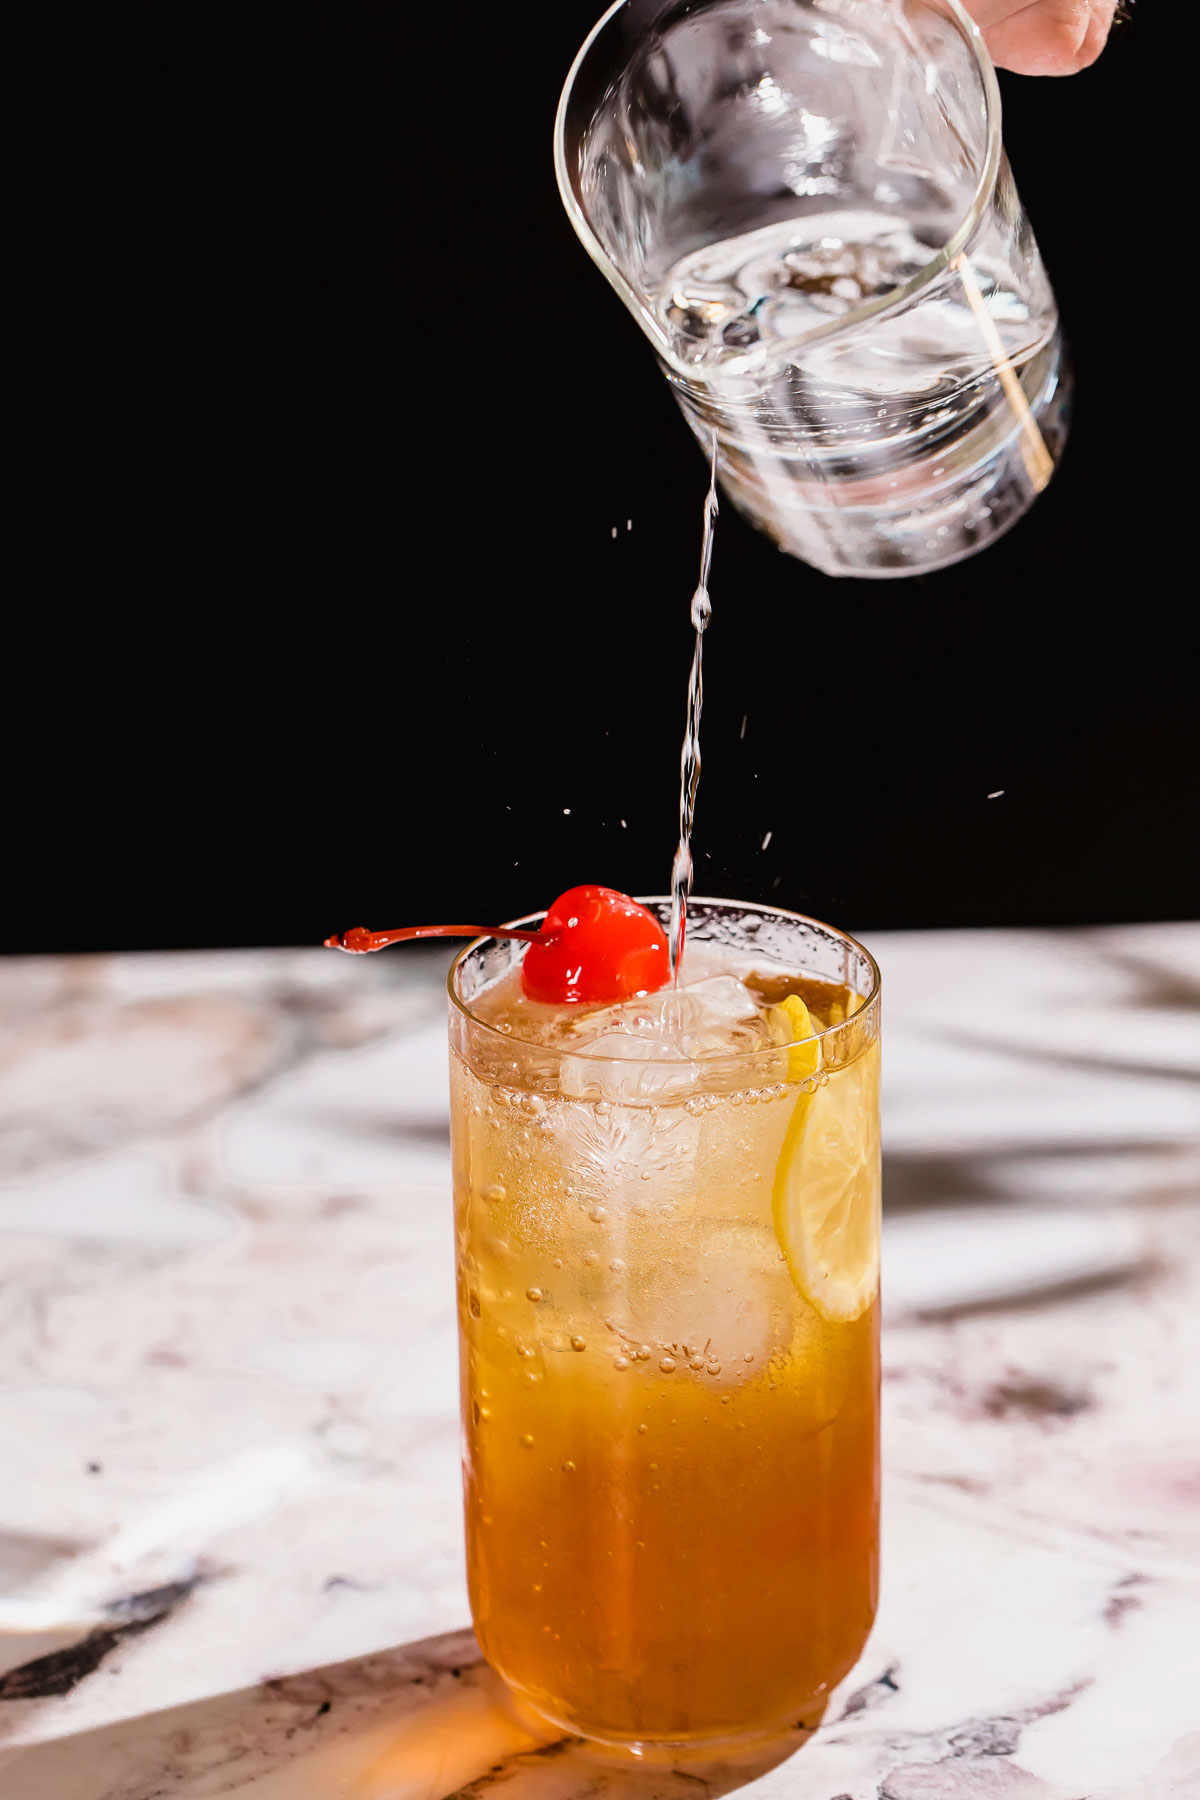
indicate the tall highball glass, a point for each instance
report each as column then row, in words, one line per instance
column 668, row 1301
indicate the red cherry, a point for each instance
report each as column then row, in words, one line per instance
column 600, row 945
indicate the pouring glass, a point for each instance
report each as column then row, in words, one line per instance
column 806, row 206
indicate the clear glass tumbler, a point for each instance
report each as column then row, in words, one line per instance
column 806, row 206
column 668, row 1300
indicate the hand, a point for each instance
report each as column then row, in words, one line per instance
column 1043, row 37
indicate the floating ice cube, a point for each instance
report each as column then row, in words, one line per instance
column 633, row 1071
column 709, row 1008
column 716, row 1015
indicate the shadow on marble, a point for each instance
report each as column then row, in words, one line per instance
column 918, row 1181
column 426, row 1721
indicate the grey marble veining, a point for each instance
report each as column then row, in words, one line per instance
column 230, row 1552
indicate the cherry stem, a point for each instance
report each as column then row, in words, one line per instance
column 359, row 940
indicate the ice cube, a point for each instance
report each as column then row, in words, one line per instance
column 639, row 1018
column 717, row 1015
column 629, row 1070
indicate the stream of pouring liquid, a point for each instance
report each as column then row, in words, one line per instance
column 689, row 761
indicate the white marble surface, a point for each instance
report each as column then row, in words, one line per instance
column 227, row 1389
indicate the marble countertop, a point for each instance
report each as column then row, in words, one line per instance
column 230, row 1550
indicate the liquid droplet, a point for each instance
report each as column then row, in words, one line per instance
column 494, row 1191
column 578, row 1343
column 533, row 1294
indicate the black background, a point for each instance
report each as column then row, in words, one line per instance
column 336, row 422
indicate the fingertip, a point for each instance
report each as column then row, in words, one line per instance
column 1061, row 45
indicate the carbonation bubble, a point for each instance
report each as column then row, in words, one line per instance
column 568, row 1468
column 578, row 1343
column 473, row 1305
column 641, row 1430
column 749, row 1356
column 642, row 1353
column 616, row 1265
column 603, row 1108
column 597, row 1214
column 714, row 1368
column 527, row 1440
column 697, row 1362
column 620, row 1362
column 533, row 1294
column 667, row 1365
column 494, row 1191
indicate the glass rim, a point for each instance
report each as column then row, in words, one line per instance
column 954, row 245
column 715, row 1063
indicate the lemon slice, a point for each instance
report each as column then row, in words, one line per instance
column 788, row 1021
column 826, row 1196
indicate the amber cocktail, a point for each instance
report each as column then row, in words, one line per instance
column 668, row 1251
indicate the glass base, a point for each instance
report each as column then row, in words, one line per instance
column 762, row 1745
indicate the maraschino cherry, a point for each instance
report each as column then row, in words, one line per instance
column 594, row 945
